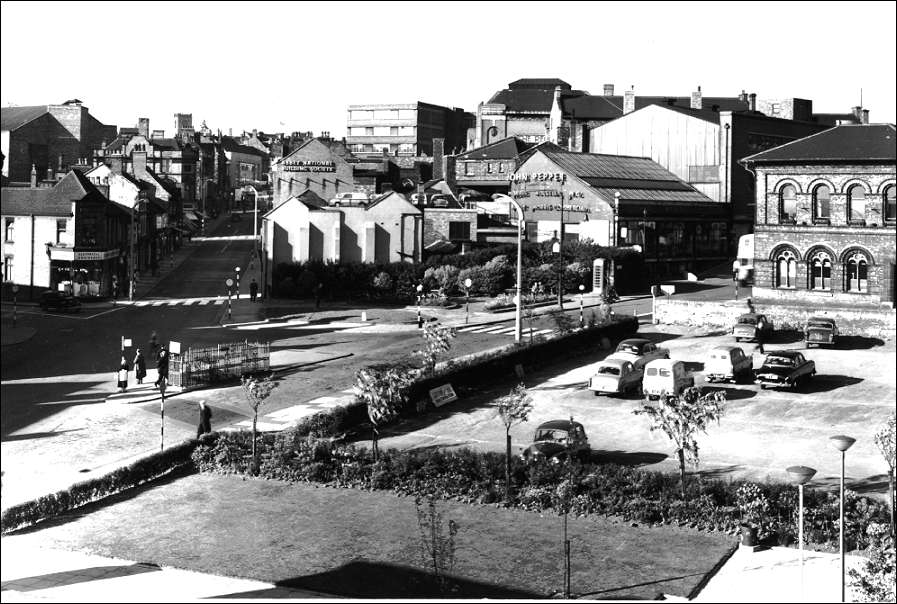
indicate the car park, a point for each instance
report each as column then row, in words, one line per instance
column 666, row 377
column 639, row 351
column 752, row 327
column 785, row 369
column 820, row 331
column 59, row 302
column 616, row 376
column 558, row 439
column 728, row 363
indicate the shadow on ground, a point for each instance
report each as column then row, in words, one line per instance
column 827, row 383
column 626, row 458
column 857, row 343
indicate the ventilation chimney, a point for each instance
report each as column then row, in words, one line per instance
column 753, row 102
column 143, row 127
column 33, row 176
column 696, row 99
column 608, row 90
column 629, row 101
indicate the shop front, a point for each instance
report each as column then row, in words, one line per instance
column 83, row 274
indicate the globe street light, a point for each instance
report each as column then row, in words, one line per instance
column 800, row 475
column 581, row 290
column 420, row 289
column 237, row 272
column 229, row 283
column 467, row 284
column 842, row 443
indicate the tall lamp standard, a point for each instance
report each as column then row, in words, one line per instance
column 800, row 475
column 842, row 443
column 467, row 284
column 518, row 318
column 581, row 289
column 237, row 273
column 420, row 289
column 133, row 238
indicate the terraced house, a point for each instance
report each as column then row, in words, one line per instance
column 826, row 219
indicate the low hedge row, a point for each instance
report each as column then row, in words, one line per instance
column 631, row 494
column 141, row 471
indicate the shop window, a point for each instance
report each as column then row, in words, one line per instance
column 7, row 268
column 890, row 203
column 857, row 273
column 856, row 204
column 9, row 229
column 786, row 269
column 61, row 226
column 822, row 206
column 459, row 230
column 788, row 204
column 821, row 271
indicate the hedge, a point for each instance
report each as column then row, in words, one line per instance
column 631, row 494
column 141, row 471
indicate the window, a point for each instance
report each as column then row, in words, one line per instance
column 382, row 130
column 369, row 131
column 890, row 209
column 459, row 230
column 469, row 168
column 788, row 204
column 10, row 229
column 489, row 168
column 60, row 230
column 856, row 273
column 501, row 167
column 386, row 114
column 406, row 148
column 7, row 268
column 785, row 269
column 393, row 130
column 822, row 207
column 821, row 271
column 856, row 203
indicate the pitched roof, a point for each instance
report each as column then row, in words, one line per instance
column 601, row 107
column 539, row 83
column 506, row 148
column 22, row 201
column 14, row 117
column 853, row 142
column 165, row 144
column 229, row 143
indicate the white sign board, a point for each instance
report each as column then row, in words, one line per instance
column 127, row 342
column 442, row 395
column 668, row 289
column 174, row 347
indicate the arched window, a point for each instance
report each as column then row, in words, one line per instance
column 856, row 272
column 890, row 209
column 822, row 206
column 856, row 203
column 785, row 269
column 788, row 204
column 821, row 271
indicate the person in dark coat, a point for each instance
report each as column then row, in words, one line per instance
column 205, row 419
column 162, row 365
column 139, row 366
column 123, row 374
column 253, row 290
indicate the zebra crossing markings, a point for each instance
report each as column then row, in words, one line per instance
column 181, row 302
column 500, row 330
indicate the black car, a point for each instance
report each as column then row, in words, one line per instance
column 60, row 302
column 558, row 438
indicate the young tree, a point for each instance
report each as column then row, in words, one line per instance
column 886, row 441
column 437, row 546
column 875, row 580
column 681, row 418
column 562, row 501
column 513, row 408
column 257, row 390
column 438, row 339
column 384, row 389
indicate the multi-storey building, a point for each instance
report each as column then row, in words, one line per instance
column 405, row 129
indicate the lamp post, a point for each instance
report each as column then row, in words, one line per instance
column 163, row 383
column 15, row 290
column 467, row 284
column 615, row 239
column 229, row 283
column 237, row 273
column 842, row 443
column 800, row 475
column 420, row 321
column 581, row 290
column 518, row 318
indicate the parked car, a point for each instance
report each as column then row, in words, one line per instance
column 558, row 438
column 350, row 198
column 666, row 377
column 616, row 376
column 751, row 325
column 819, row 331
column 59, row 301
column 728, row 363
column 785, row 369
column 639, row 352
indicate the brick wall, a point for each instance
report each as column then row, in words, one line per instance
column 436, row 223
column 478, row 170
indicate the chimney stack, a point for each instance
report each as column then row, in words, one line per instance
column 143, row 127
column 743, row 97
column 33, row 176
column 438, row 155
column 608, row 90
column 629, row 101
column 696, row 99
column 753, row 102
column 865, row 116
column 138, row 164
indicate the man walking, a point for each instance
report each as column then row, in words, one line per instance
column 205, row 419
column 162, row 366
column 253, row 290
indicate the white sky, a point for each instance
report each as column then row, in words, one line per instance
column 297, row 66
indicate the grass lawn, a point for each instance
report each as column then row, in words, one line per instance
column 367, row 544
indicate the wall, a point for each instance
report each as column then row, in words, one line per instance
column 326, row 185
column 436, row 223
column 23, row 246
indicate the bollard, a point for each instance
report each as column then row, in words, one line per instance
column 364, row 316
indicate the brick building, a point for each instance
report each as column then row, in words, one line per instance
column 826, row 219
column 405, row 129
column 485, row 169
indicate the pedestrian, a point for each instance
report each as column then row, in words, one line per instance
column 761, row 333
column 253, row 290
column 750, row 305
column 123, row 374
column 162, row 366
column 205, row 419
column 114, row 289
column 154, row 346
column 139, row 366
column 318, row 288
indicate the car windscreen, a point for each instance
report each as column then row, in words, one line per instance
column 777, row 361
column 630, row 348
column 820, row 324
column 549, row 435
column 747, row 321
column 608, row 370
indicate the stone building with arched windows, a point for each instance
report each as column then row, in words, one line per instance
column 826, row 219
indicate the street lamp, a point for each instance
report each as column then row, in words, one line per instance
column 842, row 443
column 237, row 272
column 518, row 319
column 420, row 289
column 133, row 238
column 467, row 284
column 15, row 290
column 615, row 239
column 800, row 475
column 581, row 290
column 229, row 283
column 163, row 383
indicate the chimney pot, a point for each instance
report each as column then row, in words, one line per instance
column 608, row 90
column 696, row 102
column 865, row 116
column 629, row 101
column 753, row 102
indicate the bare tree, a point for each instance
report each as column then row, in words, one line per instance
column 886, row 441
column 384, row 389
column 437, row 545
column 513, row 408
column 682, row 417
column 257, row 389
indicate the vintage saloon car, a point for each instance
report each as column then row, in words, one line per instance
column 558, row 438
column 666, row 378
column 751, row 326
column 639, row 352
column 785, row 369
column 616, row 376
column 820, row 331
column 728, row 363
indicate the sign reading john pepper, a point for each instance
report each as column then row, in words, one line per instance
column 309, row 166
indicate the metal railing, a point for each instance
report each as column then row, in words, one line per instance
column 213, row 364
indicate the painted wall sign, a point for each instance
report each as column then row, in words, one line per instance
column 309, row 166
column 538, row 177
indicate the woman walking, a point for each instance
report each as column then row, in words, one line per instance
column 139, row 366
column 123, row 374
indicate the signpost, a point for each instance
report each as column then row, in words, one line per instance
column 15, row 290
column 237, row 271
column 420, row 322
column 163, row 383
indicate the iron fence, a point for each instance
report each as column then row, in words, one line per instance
column 212, row 364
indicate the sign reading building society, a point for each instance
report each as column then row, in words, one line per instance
column 309, row 166
column 442, row 395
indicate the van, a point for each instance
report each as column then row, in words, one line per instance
column 666, row 377
column 352, row 198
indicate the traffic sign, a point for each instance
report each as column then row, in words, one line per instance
column 229, row 282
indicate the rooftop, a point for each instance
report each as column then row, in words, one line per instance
column 853, row 143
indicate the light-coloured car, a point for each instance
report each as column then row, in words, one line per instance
column 616, row 376
column 821, row 331
column 726, row 363
column 752, row 326
column 666, row 377
column 639, row 351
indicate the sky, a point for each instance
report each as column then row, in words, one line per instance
column 284, row 67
